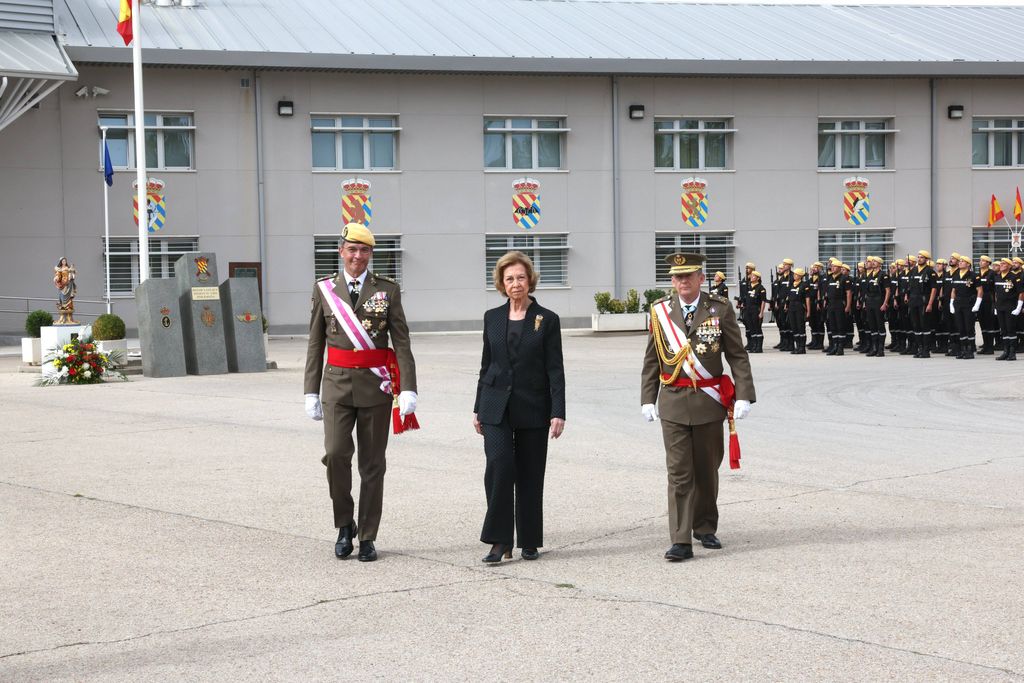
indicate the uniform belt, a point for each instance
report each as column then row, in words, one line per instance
column 370, row 358
column 694, row 384
column 727, row 390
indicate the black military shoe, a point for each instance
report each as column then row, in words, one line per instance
column 709, row 541
column 367, row 553
column 343, row 548
column 679, row 552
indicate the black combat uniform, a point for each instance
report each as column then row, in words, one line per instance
column 816, row 283
column 949, row 341
column 756, row 295
column 965, row 292
column 987, row 314
column 797, row 298
column 836, row 289
column 1008, row 289
column 876, row 290
column 919, row 297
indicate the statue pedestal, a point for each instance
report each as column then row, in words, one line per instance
column 59, row 335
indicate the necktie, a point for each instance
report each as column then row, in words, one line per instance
column 354, row 293
column 688, row 318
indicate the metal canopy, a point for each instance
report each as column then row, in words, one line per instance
column 32, row 65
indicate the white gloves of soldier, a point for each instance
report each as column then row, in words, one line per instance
column 740, row 409
column 952, row 307
column 406, row 403
column 649, row 411
column 976, row 306
column 1016, row 311
column 313, row 407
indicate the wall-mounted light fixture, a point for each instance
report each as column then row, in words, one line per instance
column 285, row 108
column 955, row 111
column 636, row 111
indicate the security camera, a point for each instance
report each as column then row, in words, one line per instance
column 82, row 92
column 97, row 91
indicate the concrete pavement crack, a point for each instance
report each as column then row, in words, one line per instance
column 594, row 597
column 251, row 617
column 990, row 461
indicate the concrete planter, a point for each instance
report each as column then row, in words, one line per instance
column 108, row 345
column 618, row 322
column 32, row 350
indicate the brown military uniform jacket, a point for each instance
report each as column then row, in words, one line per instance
column 383, row 319
column 710, row 343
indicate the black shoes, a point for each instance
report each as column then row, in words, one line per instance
column 367, row 553
column 343, row 548
column 679, row 552
column 498, row 552
column 530, row 553
column 709, row 541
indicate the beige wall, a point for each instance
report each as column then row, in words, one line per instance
column 443, row 203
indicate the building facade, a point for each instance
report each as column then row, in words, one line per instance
column 253, row 161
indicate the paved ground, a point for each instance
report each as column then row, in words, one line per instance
column 179, row 529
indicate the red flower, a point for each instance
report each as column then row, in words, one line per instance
column 72, row 372
column 72, row 358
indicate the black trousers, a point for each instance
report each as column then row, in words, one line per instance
column 1007, row 326
column 817, row 320
column 964, row 318
column 836, row 317
column 514, row 484
column 918, row 322
column 796, row 321
column 875, row 319
column 753, row 324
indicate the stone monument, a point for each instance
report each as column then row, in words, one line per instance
column 160, row 329
column 243, row 325
column 202, row 315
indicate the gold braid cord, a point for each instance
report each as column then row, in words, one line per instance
column 675, row 361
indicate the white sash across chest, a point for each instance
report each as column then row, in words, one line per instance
column 353, row 329
column 678, row 340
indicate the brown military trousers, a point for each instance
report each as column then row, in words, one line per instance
column 371, row 425
column 693, row 454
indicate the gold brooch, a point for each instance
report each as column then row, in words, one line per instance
column 536, row 322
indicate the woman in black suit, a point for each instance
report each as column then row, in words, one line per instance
column 520, row 403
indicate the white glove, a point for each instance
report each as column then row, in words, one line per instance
column 1016, row 311
column 976, row 306
column 649, row 411
column 406, row 403
column 951, row 307
column 313, row 407
column 740, row 409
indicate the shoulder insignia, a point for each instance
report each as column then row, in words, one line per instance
column 327, row 277
column 664, row 298
column 385, row 278
column 719, row 299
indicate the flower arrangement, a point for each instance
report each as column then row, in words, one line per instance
column 80, row 362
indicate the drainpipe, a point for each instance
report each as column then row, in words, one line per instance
column 260, row 201
column 934, row 178
column 616, row 196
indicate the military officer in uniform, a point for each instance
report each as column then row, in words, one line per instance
column 838, row 306
column 1018, row 271
column 744, row 286
column 987, row 314
column 964, row 302
column 718, row 286
column 752, row 313
column 1009, row 300
column 798, row 310
column 877, row 294
column 683, row 384
column 920, row 302
column 816, row 283
column 354, row 315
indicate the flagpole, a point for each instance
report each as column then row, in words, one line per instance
column 106, row 218
column 140, row 143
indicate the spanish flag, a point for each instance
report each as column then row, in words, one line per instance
column 124, row 21
column 995, row 214
column 1017, row 209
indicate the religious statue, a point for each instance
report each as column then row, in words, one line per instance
column 64, row 281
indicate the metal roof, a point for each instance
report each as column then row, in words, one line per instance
column 560, row 36
column 26, row 15
column 33, row 55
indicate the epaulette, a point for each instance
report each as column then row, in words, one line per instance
column 327, row 277
column 664, row 298
column 719, row 299
column 385, row 278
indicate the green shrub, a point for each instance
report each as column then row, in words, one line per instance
column 602, row 300
column 266, row 325
column 107, row 327
column 616, row 306
column 652, row 295
column 632, row 301
column 35, row 320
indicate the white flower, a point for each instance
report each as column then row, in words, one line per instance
column 64, row 371
column 86, row 366
column 88, row 374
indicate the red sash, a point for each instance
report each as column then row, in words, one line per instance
column 727, row 390
column 373, row 358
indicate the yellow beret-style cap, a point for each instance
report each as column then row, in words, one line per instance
column 819, row 264
column 955, row 255
column 756, row 274
column 941, row 260
column 788, row 261
column 1006, row 261
column 357, row 232
column 719, row 275
column 1018, row 260
column 925, row 253
column 844, row 266
column 750, row 264
column 900, row 262
column 799, row 271
column 983, row 257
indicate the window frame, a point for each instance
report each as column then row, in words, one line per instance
column 701, row 131
column 885, row 248
column 507, row 131
column 997, row 246
column 700, row 244
column 159, row 128
column 366, row 129
column 382, row 240
column 535, row 252
column 862, row 131
column 158, row 248
column 1015, row 131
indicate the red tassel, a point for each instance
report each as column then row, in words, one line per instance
column 734, row 451
column 396, row 421
column 410, row 422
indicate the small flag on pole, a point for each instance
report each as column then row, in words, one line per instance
column 108, row 168
column 124, row 21
column 1017, row 209
column 995, row 214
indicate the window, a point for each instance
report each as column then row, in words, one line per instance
column 550, row 255
column 386, row 260
column 691, row 144
column 163, row 252
column 524, row 143
column 354, row 142
column 997, row 142
column 170, row 139
column 858, row 144
column 994, row 242
column 717, row 248
column 853, row 246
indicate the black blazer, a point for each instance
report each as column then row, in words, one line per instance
column 533, row 389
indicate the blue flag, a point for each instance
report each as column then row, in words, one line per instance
column 108, row 168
